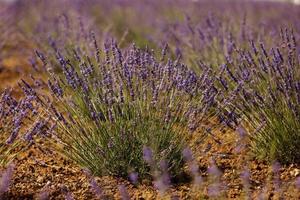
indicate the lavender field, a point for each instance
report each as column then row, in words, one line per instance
column 149, row 99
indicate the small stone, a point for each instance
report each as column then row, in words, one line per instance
column 40, row 179
column 295, row 172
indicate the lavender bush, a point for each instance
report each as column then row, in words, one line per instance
column 268, row 82
column 111, row 106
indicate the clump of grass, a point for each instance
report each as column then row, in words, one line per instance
column 109, row 108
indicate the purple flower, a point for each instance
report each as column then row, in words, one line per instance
column 245, row 176
column 13, row 135
column 198, row 180
column 241, row 131
column 264, row 51
column 123, row 192
column 213, row 169
column 214, row 190
column 187, row 154
column 67, row 193
column 161, row 185
column 44, row 195
column 133, row 177
column 6, row 179
column 41, row 57
column 69, row 196
column 55, row 88
column 147, row 155
column 163, row 181
column 276, row 173
column 297, row 182
column 95, row 187
column 96, row 47
column 37, row 128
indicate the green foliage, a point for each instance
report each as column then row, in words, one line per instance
column 117, row 148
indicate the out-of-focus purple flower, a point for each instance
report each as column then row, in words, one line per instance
column 193, row 167
column 44, row 195
column 33, row 63
column 95, row 187
column 178, row 52
column 148, row 155
column 198, row 180
column 241, row 131
column 241, row 143
column 164, row 51
column 230, row 73
column 245, row 176
column 133, row 177
column 187, row 154
column 213, row 169
column 297, row 182
column 42, row 57
column 66, row 192
column 163, row 181
column 254, row 49
column 214, row 173
column 262, row 46
column 6, row 179
column 96, row 47
column 69, row 196
column 123, row 192
column 263, row 194
column 214, row 189
column 276, row 174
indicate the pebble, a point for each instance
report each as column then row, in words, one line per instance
column 40, row 179
column 295, row 172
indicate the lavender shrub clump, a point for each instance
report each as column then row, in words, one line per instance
column 109, row 107
column 268, row 82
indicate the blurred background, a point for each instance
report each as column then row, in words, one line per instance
column 292, row 1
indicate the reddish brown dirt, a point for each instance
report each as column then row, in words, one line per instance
column 40, row 169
